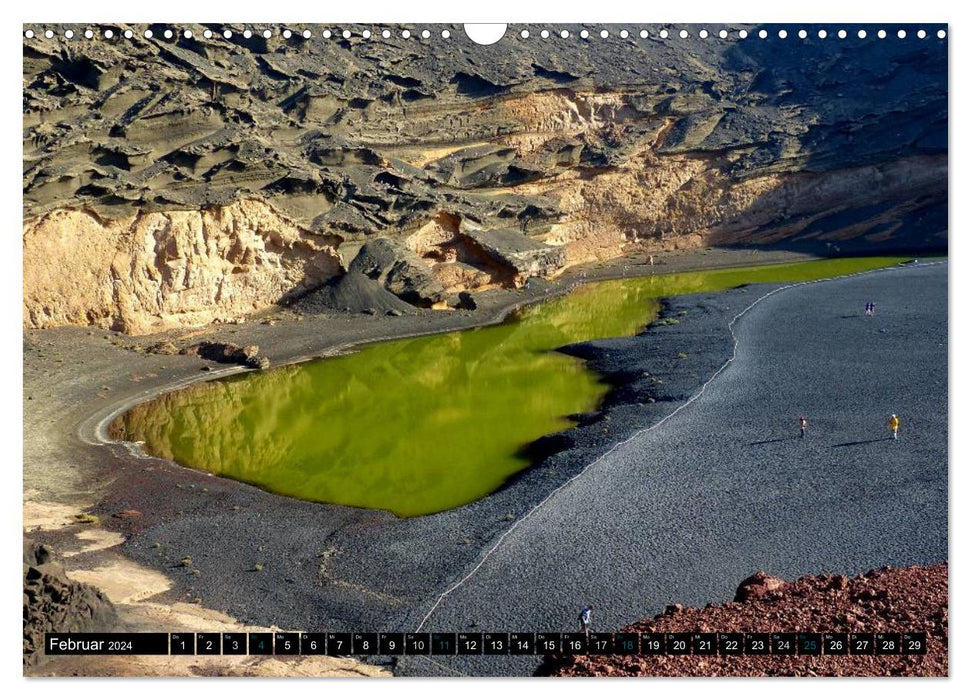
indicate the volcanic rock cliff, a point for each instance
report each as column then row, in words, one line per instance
column 175, row 181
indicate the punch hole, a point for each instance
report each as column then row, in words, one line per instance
column 488, row 34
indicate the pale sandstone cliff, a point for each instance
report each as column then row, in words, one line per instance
column 176, row 182
column 156, row 270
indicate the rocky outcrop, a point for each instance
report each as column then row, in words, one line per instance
column 758, row 585
column 228, row 353
column 575, row 150
column 156, row 270
column 399, row 271
column 889, row 600
column 55, row 603
column 357, row 293
column 520, row 256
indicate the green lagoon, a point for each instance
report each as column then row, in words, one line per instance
column 421, row 425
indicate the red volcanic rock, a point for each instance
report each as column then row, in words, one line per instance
column 128, row 513
column 756, row 586
column 912, row 599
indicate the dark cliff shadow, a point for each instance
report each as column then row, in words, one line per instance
column 865, row 102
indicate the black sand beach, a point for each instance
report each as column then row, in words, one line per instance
column 725, row 487
column 638, row 529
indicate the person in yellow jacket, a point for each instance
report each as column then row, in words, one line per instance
column 894, row 425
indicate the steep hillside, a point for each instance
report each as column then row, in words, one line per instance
column 177, row 181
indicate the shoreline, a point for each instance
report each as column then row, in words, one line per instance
column 341, row 518
column 96, row 434
column 631, row 513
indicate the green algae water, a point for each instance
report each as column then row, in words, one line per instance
column 421, row 425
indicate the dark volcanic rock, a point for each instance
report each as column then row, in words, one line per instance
column 55, row 603
column 520, row 255
column 353, row 292
column 400, row 271
column 228, row 353
column 185, row 122
column 536, row 154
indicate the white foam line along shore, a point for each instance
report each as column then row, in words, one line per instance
column 697, row 395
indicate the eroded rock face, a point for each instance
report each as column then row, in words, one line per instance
column 520, row 256
column 55, row 603
column 575, row 151
column 157, row 270
column 399, row 271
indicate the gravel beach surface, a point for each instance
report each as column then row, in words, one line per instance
column 682, row 512
column 725, row 487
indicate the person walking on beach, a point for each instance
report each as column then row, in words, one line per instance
column 585, row 615
column 894, row 425
column 803, row 424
